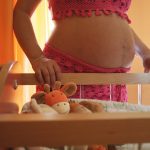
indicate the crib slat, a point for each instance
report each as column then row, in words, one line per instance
column 74, row 129
column 90, row 78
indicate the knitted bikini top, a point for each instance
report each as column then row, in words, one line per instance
column 66, row 8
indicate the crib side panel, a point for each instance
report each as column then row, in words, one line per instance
column 74, row 129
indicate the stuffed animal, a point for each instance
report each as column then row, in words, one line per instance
column 57, row 99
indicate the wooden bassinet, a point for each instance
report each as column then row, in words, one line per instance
column 70, row 129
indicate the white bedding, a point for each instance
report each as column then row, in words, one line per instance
column 112, row 106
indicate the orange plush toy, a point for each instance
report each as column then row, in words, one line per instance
column 58, row 97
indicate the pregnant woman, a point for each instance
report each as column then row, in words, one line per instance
column 91, row 36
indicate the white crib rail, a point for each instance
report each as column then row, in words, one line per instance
column 89, row 78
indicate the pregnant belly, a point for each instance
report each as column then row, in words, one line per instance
column 104, row 41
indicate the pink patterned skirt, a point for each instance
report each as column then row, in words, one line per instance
column 69, row 64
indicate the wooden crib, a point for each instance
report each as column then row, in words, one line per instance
column 70, row 129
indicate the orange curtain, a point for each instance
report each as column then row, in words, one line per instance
column 9, row 47
column 6, row 32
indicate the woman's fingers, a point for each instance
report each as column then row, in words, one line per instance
column 46, row 76
column 47, row 71
column 57, row 71
column 39, row 76
column 51, row 74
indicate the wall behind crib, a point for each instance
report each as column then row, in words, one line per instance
column 140, row 13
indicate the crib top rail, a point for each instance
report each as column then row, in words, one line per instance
column 88, row 78
column 74, row 129
column 15, row 78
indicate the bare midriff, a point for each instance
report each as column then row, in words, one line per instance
column 104, row 41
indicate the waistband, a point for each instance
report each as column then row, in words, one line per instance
column 50, row 50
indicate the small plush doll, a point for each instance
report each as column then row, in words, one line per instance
column 58, row 97
column 56, row 100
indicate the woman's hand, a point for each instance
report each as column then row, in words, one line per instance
column 46, row 70
column 146, row 63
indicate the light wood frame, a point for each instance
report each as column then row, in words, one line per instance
column 71, row 129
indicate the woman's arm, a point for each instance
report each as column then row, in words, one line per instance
column 143, row 51
column 23, row 28
column 46, row 70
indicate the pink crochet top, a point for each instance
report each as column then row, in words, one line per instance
column 66, row 8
